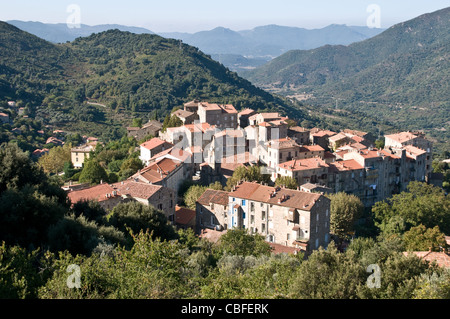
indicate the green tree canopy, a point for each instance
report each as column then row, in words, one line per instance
column 241, row 242
column 344, row 211
column 421, row 204
column 93, row 173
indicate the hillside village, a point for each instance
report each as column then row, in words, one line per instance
column 214, row 140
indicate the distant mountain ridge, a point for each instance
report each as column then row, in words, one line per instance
column 271, row 40
column 249, row 47
column 401, row 75
column 122, row 70
column 60, row 32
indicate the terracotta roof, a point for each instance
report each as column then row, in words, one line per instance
column 228, row 108
column 441, row 258
column 210, row 106
column 247, row 112
column 283, row 143
column 198, row 127
column 346, row 165
column 136, row 189
column 261, row 193
column 266, row 116
column 279, row 249
column 311, row 148
column 337, row 137
column 153, row 143
column 182, row 113
column 158, row 170
column 184, row 216
column 321, row 133
column 97, row 193
column 355, row 133
column 214, row 196
column 303, row 164
column 402, row 137
column 298, row 129
column 175, row 152
column 412, row 151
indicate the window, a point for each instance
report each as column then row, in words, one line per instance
column 171, row 203
column 252, row 219
column 317, row 217
column 263, row 215
column 252, row 206
column 288, row 236
column 243, row 215
column 263, row 228
column 243, row 202
column 160, row 206
column 317, row 243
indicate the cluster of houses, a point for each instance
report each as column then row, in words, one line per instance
column 215, row 140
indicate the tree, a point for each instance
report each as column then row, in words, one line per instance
column 193, row 194
column 421, row 204
column 137, row 217
column 137, row 122
column 249, row 174
column 133, row 164
column 29, row 202
column 328, row 274
column 93, row 173
column 240, row 242
column 344, row 211
column 54, row 161
column 380, row 143
column 287, row 182
column 420, row 238
column 80, row 235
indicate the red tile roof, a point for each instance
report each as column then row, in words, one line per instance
column 184, row 216
column 303, row 164
column 402, row 137
column 346, row 165
column 213, row 196
column 97, row 193
column 153, row 143
column 136, row 189
column 247, row 112
column 283, row 196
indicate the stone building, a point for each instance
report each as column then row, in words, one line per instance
column 283, row 216
column 110, row 195
column 212, row 210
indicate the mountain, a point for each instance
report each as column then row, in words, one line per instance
column 60, row 32
column 401, row 74
column 271, row 40
column 138, row 74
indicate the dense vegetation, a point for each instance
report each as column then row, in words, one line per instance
column 131, row 252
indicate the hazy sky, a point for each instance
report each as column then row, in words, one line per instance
column 196, row 15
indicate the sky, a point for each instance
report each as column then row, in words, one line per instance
column 197, row 15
